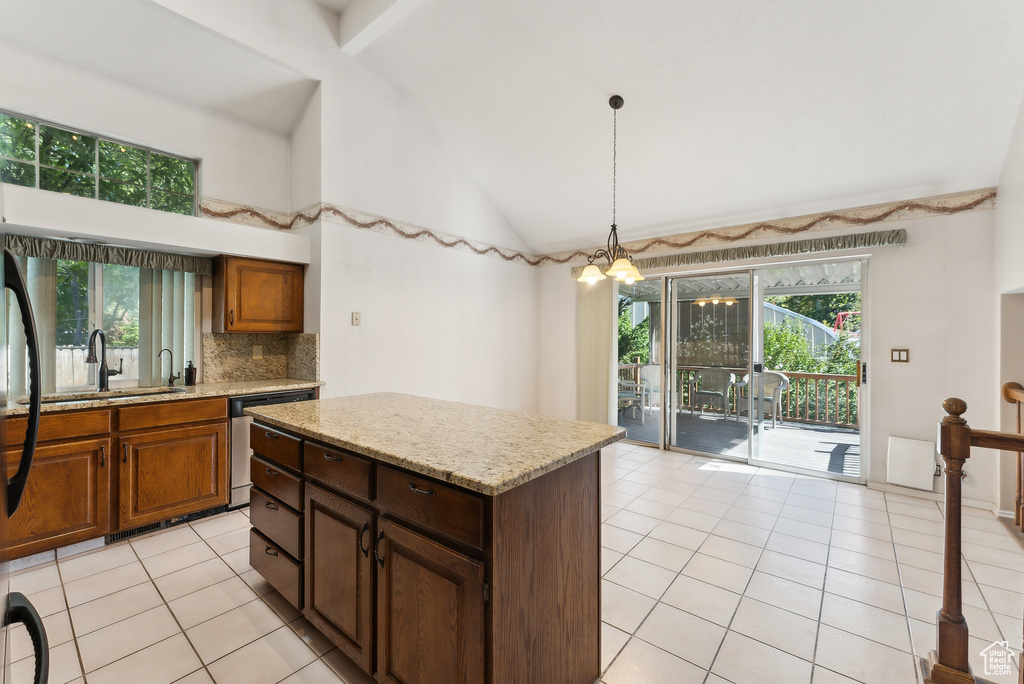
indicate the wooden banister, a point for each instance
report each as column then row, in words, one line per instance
column 949, row 662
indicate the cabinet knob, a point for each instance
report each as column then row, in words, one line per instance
column 328, row 457
column 428, row 492
column 270, row 435
column 270, row 551
column 103, row 456
column 271, row 473
column 271, row 505
column 362, row 533
column 125, row 453
column 376, row 549
column 232, row 317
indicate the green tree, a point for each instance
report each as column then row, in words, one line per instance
column 822, row 308
column 786, row 348
column 842, row 356
column 634, row 341
column 72, row 302
column 121, row 305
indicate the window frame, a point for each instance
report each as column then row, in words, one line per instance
column 96, row 175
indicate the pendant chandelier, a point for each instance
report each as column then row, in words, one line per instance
column 620, row 264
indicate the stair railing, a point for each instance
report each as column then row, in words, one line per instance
column 948, row 663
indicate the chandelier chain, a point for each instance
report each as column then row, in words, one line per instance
column 615, row 136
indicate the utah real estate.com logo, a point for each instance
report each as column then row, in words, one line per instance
column 998, row 659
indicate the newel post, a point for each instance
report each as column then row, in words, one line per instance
column 950, row 662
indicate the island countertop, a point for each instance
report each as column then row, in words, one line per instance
column 486, row 450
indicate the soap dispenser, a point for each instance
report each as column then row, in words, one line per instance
column 190, row 374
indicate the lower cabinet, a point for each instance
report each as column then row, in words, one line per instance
column 430, row 610
column 67, row 499
column 172, row 472
column 339, row 573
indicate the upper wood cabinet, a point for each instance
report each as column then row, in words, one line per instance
column 255, row 295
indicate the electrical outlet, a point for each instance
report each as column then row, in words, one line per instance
column 938, row 470
column 257, row 351
column 357, row 319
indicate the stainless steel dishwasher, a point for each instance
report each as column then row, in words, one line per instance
column 240, row 451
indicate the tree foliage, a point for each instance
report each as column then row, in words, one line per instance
column 822, row 308
column 786, row 348
column 634, row 341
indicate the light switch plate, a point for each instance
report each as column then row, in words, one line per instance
column 899, row 355
column 357, row 319
column 257, row 351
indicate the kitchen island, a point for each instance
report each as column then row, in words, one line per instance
column 434, row 541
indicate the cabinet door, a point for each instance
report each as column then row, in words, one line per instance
column 430, row 611
column 339, row 573
column 166, row 473
column 67, row 499
column 262, row 296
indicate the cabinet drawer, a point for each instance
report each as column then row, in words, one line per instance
column 278, row 483
column 448, row 511
column 338, row 468
column 276, row 446
column 276, row 522
column 60, row 425
column 165, row 413
column 283, row 573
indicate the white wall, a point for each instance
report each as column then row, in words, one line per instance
column 306, row 157
column 1009, row 232
column 240, row 162
column 435, row 322
column 379, row 156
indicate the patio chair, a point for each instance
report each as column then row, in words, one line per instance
column 650, row 384
column 775, row 383
column 630, row 397
column 710, row 388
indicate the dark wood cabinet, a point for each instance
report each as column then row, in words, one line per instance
column 256, row 295
column 167, row 473
column 430, row 611
column 67, row 499
column 339, row 573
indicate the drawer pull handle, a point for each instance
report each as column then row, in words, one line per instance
column 103, row 456
column 271, row 473
column 428, row 492
column 366, row 551
column 271, row 505
column 376, row 550
column 270, row 551
column 270, row 435
column 328, row 457
column 125, row 453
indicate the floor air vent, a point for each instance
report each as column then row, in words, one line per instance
column 128, row 534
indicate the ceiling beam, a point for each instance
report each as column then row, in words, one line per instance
column 364, row 21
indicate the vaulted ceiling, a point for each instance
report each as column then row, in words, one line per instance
column 735, row 110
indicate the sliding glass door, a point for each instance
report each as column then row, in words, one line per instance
column 763, row 366
column 709, row 353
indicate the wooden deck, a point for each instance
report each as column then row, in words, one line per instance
column 812, row 447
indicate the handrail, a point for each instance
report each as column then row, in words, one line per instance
column 1013, row 392
column 949, row 662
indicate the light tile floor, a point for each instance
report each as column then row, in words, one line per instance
column 179, row 605
column 714, row 572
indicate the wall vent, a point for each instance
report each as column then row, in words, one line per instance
column 128, row 534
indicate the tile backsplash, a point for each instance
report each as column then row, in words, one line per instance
column 228, row 357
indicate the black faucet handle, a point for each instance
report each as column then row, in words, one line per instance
column 119, row 371
column 171, row 378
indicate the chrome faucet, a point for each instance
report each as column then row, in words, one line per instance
column 104, row 373
column 171, row 377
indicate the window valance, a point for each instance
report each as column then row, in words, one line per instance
column 777, row 249
column 50, row 248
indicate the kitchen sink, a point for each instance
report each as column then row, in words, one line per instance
column 111, row 395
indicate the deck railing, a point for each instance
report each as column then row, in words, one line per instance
column 814, row 398
column 949, row 662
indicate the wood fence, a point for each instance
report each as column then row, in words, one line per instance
column 72, row 371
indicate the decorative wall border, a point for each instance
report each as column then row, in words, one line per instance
column 956, row 203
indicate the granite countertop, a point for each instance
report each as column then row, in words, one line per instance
column 149, row 395
column 483, row 449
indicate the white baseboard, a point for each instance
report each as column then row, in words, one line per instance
column 932, row 496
